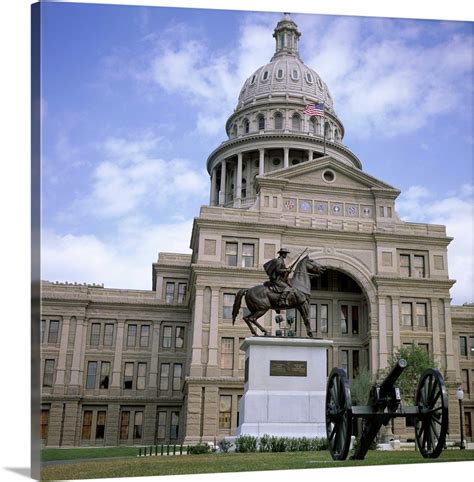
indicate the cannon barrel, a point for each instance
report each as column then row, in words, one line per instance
column 392, row 377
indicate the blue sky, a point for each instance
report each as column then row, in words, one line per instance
column 135, row 99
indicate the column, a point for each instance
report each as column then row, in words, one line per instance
column 62, row 355
column 449, row 335
column 310, row 155
column 382, row 334
column 212, row 201
column 155, row 345
column 222, row 196
column 261, row 162
column 195, row 369
column 238, row 184
column 76, row 358
column 286, row 157
column 396, row 322
column 117, row 366
column 212, row 366
column 435, row 330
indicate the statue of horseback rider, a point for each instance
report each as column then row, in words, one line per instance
column 279, row 274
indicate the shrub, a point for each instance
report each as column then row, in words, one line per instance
column 278, row 444
column 246, row 443
column 224, row 445
column 264, row 443
column 199, row 449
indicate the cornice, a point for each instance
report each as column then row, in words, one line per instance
column 416, row 238
column 382, row 281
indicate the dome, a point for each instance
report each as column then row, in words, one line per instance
column 285, row 74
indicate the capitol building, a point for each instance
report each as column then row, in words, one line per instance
column 124, row 367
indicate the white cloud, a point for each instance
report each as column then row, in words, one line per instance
column 456, row 212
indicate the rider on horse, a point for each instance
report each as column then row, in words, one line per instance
column 278, row 274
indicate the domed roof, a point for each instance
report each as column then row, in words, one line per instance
column 286, row 73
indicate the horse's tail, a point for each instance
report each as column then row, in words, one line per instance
column 237, row 302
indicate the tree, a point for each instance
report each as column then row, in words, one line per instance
column 360, row 386
column 418, row 360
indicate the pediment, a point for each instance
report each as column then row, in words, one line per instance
column 318, row 172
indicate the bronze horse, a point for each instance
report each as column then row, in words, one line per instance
column 260, row 299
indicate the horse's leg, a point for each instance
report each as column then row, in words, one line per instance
column 249, row 324
column 253, row 319
column 303, row 308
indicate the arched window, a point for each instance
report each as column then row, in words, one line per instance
column 296, row 122
column 278, row 121
column 246, row 126
column 327, row 130
column 234, row 130
column 261, row 123
column 313, row 125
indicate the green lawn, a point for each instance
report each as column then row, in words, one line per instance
column 237, row 462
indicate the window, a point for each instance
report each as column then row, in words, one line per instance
column 225, row 411
column 108, row 334
column 344, row 321
column 313, row 125
column 295, row 75
column 86, row 425
column 48, row 373
column 405, row 265
column 246, row 126
column 279, row 74
column 231, row 254
column 278, row 121
column 265, row 75
column 167, row 337
column 407, row 316
column 296, row 122
column 227, row 305
column 227, row 353
column 418, row 266
column 261, row 123
column 345, row 361
column 144, row 335
column 324, row 319
column 247, row 255
column 124, row 425
column 472, row 346
column 177, row 374
column 104, row 375
column 355, row 363
column 161, row 431
column 169, row 293
column 355, row 320
column 95, row 334
column 413, row 265
column 425, row 346
column 44, row 424
column 241, row 355
column 313, row 317
column 132, row 335
column 138, row 426
column 181, row 292
column 179, row 337
column 43, row 327
column 421, row 314
column 309, row 78
column 141, row 376
column 100, row 425
column 174, row 426
column 164, row 376
column 465, row 381
column 128, row 376
column 91, row 374
column 462, row 346
column 53, row 331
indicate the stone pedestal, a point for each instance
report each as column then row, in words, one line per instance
column 285, row 387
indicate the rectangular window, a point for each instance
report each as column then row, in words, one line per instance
column 425, row 346
column 389, row 212
column 324, row 319
column 179, row 337
column 418, row 266
column 44, row 424
column 124, row 425
column 465, row 381
column 231, row 254
column 407, row 316
column 421, row 314
column 108, row 334
column 169, row 293
column 313, row 317
column 167, row 334
column 462, row 346
column 144, row 335
column 128, row 376
column 161, row 431
column 355, row 363
column 241, row 355
column 344, row 312
column 228, row 304
column 472, row 346
column 100, row 425
column 345, row 361
column 48, row 373
column 138, row 426
column 141, row 376
column 174, row 426
column 227, row 353
column 132, row 335
column 225, row 411
column 181, row 292
column 405, row 265
column 355, row 320
column 104, row 375
column 382, row 211
column 86, row 425
column 164, row 376
column 177, row 374
column 467, row 425
column 53, row 331
column 95, row 334
column 43, row 327
column 247, row 255
column 91, row 374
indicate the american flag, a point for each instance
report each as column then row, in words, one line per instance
column 315, row 108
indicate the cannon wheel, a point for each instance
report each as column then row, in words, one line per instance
column 338, row 414
column 431, row 424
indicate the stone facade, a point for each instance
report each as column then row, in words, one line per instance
column 145, row 367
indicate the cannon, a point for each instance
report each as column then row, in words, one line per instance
column 430, row 412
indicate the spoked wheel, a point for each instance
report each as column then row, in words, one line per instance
column 338, row 414
column 431, row 424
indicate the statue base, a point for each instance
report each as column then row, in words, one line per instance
column 285, row 387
